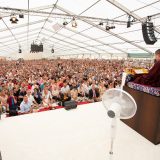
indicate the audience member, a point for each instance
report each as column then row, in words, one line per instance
column 26, row 106
column 43, row 82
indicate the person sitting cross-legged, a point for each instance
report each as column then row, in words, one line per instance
column 12, row 104
column 94, row 94
column 26, row 106
column 31, row 98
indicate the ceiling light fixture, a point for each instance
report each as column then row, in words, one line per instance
column 52, row 50
column 129, row 21
column 21, row 15
column 109, row 27
column 65, row 22
column 74, row 23
column 20, row 50
column 13, row 19
column 101, row 23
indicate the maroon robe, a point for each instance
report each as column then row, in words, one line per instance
column 152, row 78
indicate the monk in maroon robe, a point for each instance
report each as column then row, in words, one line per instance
column 153, row 77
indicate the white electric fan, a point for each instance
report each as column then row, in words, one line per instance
column 119, row 105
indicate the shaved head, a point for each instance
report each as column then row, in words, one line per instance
column 157, row 55
column 157, row 52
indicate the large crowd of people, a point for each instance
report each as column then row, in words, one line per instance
column 25, row 85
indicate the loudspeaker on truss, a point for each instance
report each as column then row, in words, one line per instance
column 148, row 33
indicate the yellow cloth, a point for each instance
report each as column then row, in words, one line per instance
column 134, row 71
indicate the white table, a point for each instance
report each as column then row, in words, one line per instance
column 80, row 134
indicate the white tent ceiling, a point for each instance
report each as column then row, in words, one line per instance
column 88, row 38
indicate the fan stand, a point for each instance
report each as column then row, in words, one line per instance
column 119, row 105
column 113, row 113
column 113, row 135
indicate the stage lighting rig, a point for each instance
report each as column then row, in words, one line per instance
column 109, row 27
column 129, row 22
column 65, row 22
column 21, row 15
column 20, row 50
column 52, row 50
column 13, row 19
column 100, row 24
column 74, row 23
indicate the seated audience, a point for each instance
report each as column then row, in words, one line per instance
column 65, row 92
column 22, row 93
column 74, row 94
column 55, row 93
column 3, row 99
column 46, row 97
column 12, row 104
column 37, row 96
column 94, row 93
column 26, row 106
column 82, row 80
column 31, row 98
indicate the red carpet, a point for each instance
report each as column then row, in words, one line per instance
column 57, row 107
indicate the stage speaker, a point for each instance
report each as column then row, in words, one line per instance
column 70, row 105
column 148, row 33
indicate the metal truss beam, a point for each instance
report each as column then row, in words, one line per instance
column 114, row 34
column 33, row 11
column 23, row 25
column 126, row 10
column 72, row 44
column 96, row 40
column 77, row 41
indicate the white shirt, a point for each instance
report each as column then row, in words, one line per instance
column 86, row 88
column 46, row 96
column 65, row 89
column 55, row 92
column 25, row 107
column 31, row 99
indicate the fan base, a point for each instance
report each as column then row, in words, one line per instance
column 111, row 153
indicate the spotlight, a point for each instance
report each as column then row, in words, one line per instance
column 109, row 27
column 65, row 22
column 19, row 51
column 100, row 23
column 112, row 27
column 149, row 18
column 129, row 21
column 52, row 50
column 74, row 23
column 21, row 15
column 13, row 19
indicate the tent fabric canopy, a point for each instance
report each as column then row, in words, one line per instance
column 43, row 22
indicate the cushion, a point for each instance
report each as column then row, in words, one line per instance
column 144, row 88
